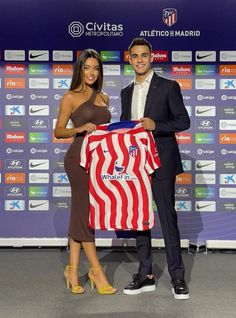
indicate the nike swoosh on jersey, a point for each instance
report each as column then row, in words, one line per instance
column 32, row 111
column 203, row 111
column 199, row 207
column 32, row 56
column 32, row 206
column 198, row 165
column 200, row 57
column 36, row 164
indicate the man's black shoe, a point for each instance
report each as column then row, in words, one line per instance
column 138, row 286
column 180, row 289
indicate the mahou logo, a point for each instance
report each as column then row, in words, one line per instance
column 183, row 138
column 18, row 137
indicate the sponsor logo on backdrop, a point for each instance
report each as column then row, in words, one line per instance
column 205, row 206
column 184, row 178
column 10, row 151
column 184, row 138
column 204, row 138
column 110, row 56
column 184, row 83
column 14, row 123
column 38, row 110
column 14, row 110
column 227, row 70
column 228, row 166
column 111, row 70
column 14, row 83
column 61, row 191
column 181, row 56
column 14, row 191
column 161, row 69
column 205, row 125
column 36, row 151
column 18, row 137
column 38, row 55
column 228, row 56
column 205, row 178
column 228, row 179
column 14, row 55
column 205, row 56
column 14, row 96
column 110, row 83
column 181, row 70
column 208, row 83
column 204, row 193
column 128, row 70
column 228, row 97
column 38, row 164
column 229, row 193
column 205, row 97
column 39, row 124
column 205, row 70
column 38, row 83
column 38, row 191
column 60, row 178
column 63, row 205
column 227, row 124
column 35, row 97
column 77, row 29
column 39, row 137
column 183, row 206
column 226, row 152
column 205, row 165
column 62, row 69
column 38, row 205
column 227, row 139
column 205, row 111
column 228, row 84
column 201, row 151
column 14, row 69
column 59, row 150
column 183, row 192
column 14, row 178
column 61, row 83
column 15, row 164
column 228, row 110
column 14, row 205
column 62, row 56
column 228, row 207
column 39, row 69
column 187, row 165
column 159, row 56
column 38, row 177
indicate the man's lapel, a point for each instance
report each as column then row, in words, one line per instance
column 151, row 93
column 129, row 99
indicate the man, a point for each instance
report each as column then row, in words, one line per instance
column 158, row 104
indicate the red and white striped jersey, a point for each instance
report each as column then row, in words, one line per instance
column 120, row 163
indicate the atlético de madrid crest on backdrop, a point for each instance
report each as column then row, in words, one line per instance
column 169, row 16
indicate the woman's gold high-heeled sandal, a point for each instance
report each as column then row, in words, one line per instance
column 74, row 289
column 106, row 290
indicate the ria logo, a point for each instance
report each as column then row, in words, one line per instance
column 76, row 29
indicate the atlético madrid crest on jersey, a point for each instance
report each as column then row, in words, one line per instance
column 133, row 151
column 169, row 16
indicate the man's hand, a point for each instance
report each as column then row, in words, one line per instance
column 147, row 123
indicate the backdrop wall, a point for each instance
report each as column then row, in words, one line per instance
column 193, row 43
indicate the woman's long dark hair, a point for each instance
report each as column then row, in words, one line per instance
column 78, row 74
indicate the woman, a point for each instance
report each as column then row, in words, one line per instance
column 87, row 107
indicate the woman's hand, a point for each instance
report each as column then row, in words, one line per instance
column 89, row 127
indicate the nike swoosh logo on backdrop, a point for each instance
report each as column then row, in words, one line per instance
column 201, row 166
column 36, row 164
column 199, row 207
column 32, row 111
column 36, row 205
column 203, row 111
column 32, row 56
column 200, row 57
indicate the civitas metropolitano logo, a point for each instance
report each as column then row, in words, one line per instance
column 77, row 29
column 169, row 18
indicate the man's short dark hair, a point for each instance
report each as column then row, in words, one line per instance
column 140, row 41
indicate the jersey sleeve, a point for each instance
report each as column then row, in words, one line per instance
column 152, row 158
column 85, row 153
